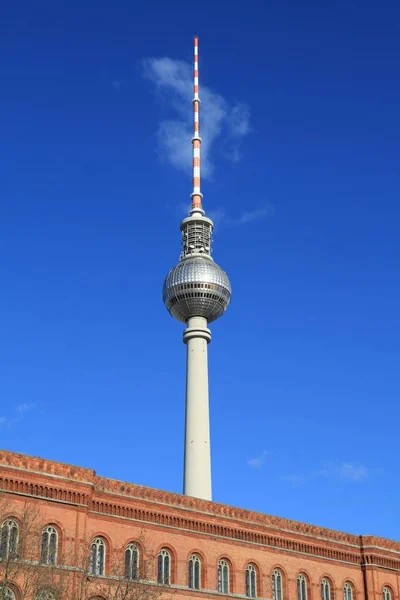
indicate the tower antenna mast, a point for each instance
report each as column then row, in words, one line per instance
column 196, row 196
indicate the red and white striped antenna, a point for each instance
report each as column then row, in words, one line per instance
column 196, row 195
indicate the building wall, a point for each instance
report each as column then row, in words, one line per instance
column 83, row 506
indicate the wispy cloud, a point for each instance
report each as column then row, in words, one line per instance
column 219, row 119
column 23, row 408
column 345, row 471
column 259, row 461
column 20, row 410
column 339, row 471
column 117, row 85
column 221, row 217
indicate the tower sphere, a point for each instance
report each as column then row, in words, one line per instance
column 197, row 287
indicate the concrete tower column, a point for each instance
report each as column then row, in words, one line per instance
column 197, row 461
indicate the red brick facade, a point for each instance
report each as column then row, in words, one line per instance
column 83, row 506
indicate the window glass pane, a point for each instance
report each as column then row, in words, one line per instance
column 220, row 578
column 160, row 569
column 279, row 586
column 253, row 584
column 101, row 560
column 53, row 548
column 135, row 563
column 226, row 584
column 43, row 556
column 166, row 569
column 127, row 563
column 191, row 573
column 13, row 539
column 92, row 565
column 197, row 575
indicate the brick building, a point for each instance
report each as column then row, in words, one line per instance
column 199, row 548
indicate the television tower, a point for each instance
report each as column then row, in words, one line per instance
column 196, row 292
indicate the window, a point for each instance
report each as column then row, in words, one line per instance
column 325, row 589
column 97, row 557
column 48, row 553
column 164, row 567
column 251, row 581
column 301, row 587
column 194, row 572
column 132, row 561
column 7, row 593
column 386, row 594
column 223, row 577
column 9, row 539
column 45, row 595
column 347, row 591
column 277, row 585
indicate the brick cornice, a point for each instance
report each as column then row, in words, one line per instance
column 65, row 483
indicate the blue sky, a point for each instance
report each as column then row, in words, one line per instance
column 301, row 133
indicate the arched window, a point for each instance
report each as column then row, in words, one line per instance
column 301, row 587
column 223, row 577
column 386, row 594
column 251, row 581
column 194, row 572
column 164, row 567
column 9, row 539
column 7, row 593
column 45, row 595
column 97, row 557
column 347, row 591
column 325, row 589
column 48, row 553
column 132, row 561
column 277, row 585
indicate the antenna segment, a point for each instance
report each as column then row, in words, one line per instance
column 196, row 139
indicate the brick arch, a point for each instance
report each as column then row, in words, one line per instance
column 390, row 588
column 309, row 581
column 131, row 540
column 60, row 541
column 232, row 577
column 285, row 580
column 204, row 567
column 14, row 588
column 257, row 566
column 174, row 560
column 108, row 544
column 349, row 580
column 12, row 516
column 329, row 578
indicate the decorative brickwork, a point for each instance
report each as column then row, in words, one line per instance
column 121, row 512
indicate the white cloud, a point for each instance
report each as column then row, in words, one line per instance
column 345, row 471
column 23, row 408
column 259, row 461
column 221, row 217
column 174, row 79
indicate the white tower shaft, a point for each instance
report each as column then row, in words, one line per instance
column 197, row 467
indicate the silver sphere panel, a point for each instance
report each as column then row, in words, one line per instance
column 196, row 287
